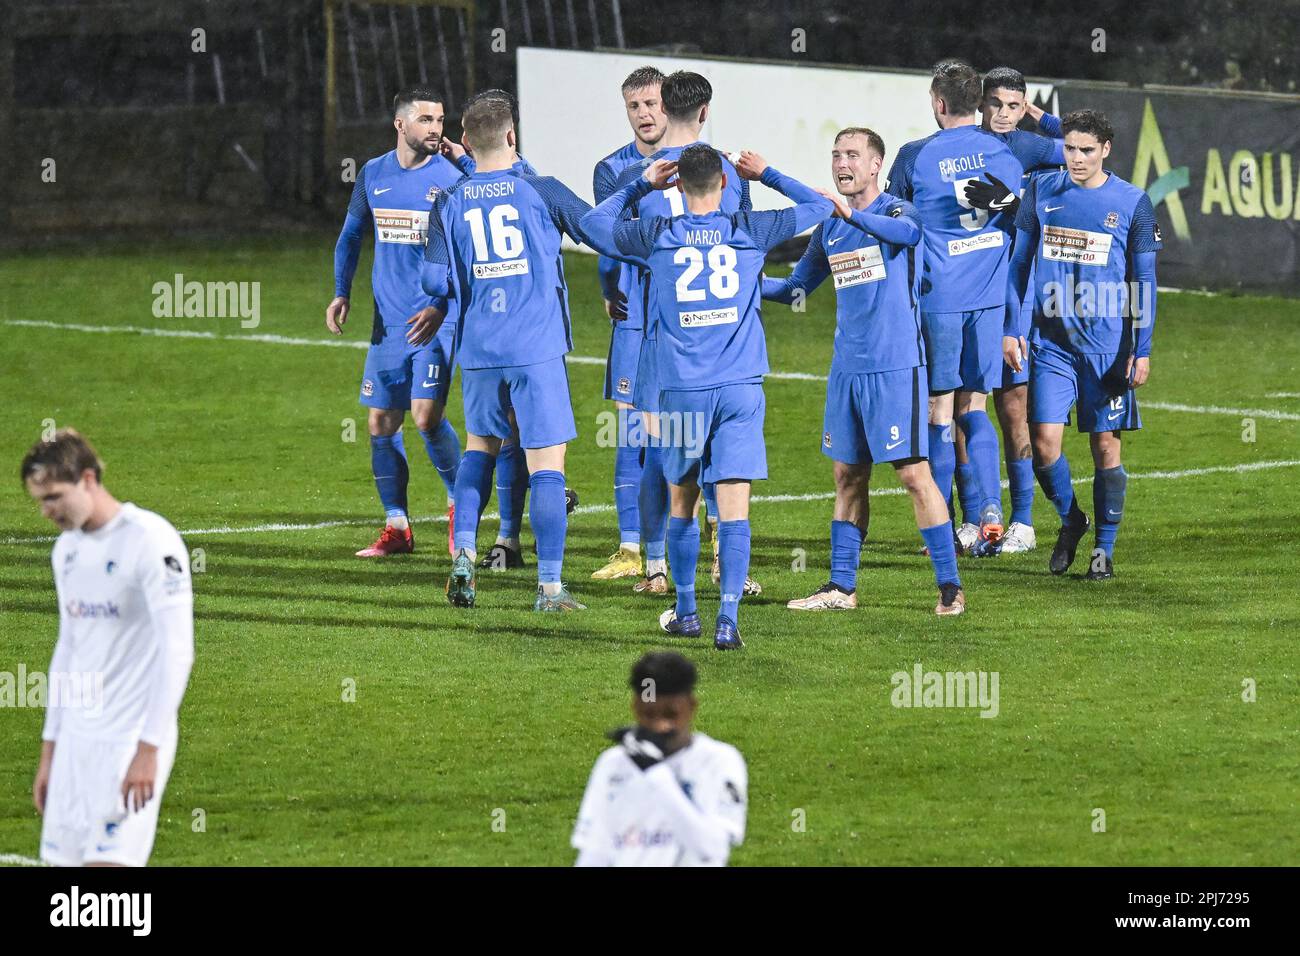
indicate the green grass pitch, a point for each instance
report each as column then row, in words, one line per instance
column 1124, row 696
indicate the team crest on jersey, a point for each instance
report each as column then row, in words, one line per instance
column 1112, row 220
column 826, row 440
column 624, row 386
column 432, row 194
column 367, row 388
column 108, row 568
column 173, row 564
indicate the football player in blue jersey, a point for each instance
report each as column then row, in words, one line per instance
column 704, row 267
column 1091, row 240
column 876, row 393
column 687, row 98
column 1004, row 105
column 395, row 192
column 494, row 247
column 645, row 114
column 966, row 255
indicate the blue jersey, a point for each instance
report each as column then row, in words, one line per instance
column 614, row 278
column 877, row 285
column 704, row 273
column 494, row 246
column 668, row 203
column 966, row 252
column 1033, row 152
column 1087, row 246
column 398, row 202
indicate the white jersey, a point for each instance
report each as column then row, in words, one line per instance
column 688, row 810
column 126, row 630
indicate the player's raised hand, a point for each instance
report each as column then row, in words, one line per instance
column 661, row 172
column 842, row 209
column 1015, row 351
column 1138, row 371
column 424, row 325
column 336, row 314
column 750, row 165
column 994, row 195
column 137, row 788
column 451, row 149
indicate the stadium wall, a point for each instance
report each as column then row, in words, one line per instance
column 1218, row 166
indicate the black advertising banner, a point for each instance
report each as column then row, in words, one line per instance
column 1223, row 171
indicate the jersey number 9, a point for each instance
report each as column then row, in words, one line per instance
column 976, row 219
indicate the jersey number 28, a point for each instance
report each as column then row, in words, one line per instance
column 723, row 280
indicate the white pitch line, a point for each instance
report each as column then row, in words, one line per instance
column 606, row 508
column 1283, row 395
column 1266, row 413
column 13, row 859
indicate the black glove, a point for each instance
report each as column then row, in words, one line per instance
column 995, row 195
column 618, row 307
column 645, row 747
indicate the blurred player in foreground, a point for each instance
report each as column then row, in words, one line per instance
column 875, row 394
column 126, row 642
column 395, row 192
column 1091, row 240
column 665, row 795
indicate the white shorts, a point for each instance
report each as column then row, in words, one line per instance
column 85, row 818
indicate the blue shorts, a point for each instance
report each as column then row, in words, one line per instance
column 645, row 389
column 964, row 349
column 539, row 395
column 620, row 370
column 876, row 416
column 1095, row 384
column 713, row 434
column 397, row 372
column 1011, row 378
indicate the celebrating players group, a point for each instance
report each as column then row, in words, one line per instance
column 931, row 277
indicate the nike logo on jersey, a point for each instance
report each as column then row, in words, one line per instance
column 1111, row 418
column 380, row 192
column 1052, row 208
column 833, row 241
column 892, row 445
column 428, row 384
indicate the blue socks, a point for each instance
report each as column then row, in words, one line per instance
column 1055, row 479
column 1020, row 472
column 846, row 550
column 653, row 502
column 943, row 459
column 943, row 553
column 968, row 493
column 1108, row 486
column 684, row 555
column 550, row 522
column 710, row 500
column 627, row 483
column 473, row 486
column 388, row 464
column 733, row 553
column 443, row 445
column 512, row 486
column 985, row 460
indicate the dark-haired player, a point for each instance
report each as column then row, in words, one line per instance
column 395, row 192
column 494, row 246
column 687, row 98
column 1005, row 103
column 704, row 268
column 875, row 394
column 665, row 794
column 962, row 286
column 1091, row 239
column 645, row 114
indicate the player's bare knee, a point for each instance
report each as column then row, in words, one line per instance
column 386, row 421
column 426, row 414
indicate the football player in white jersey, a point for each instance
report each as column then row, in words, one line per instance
column 665, row 795
column 119, row 670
